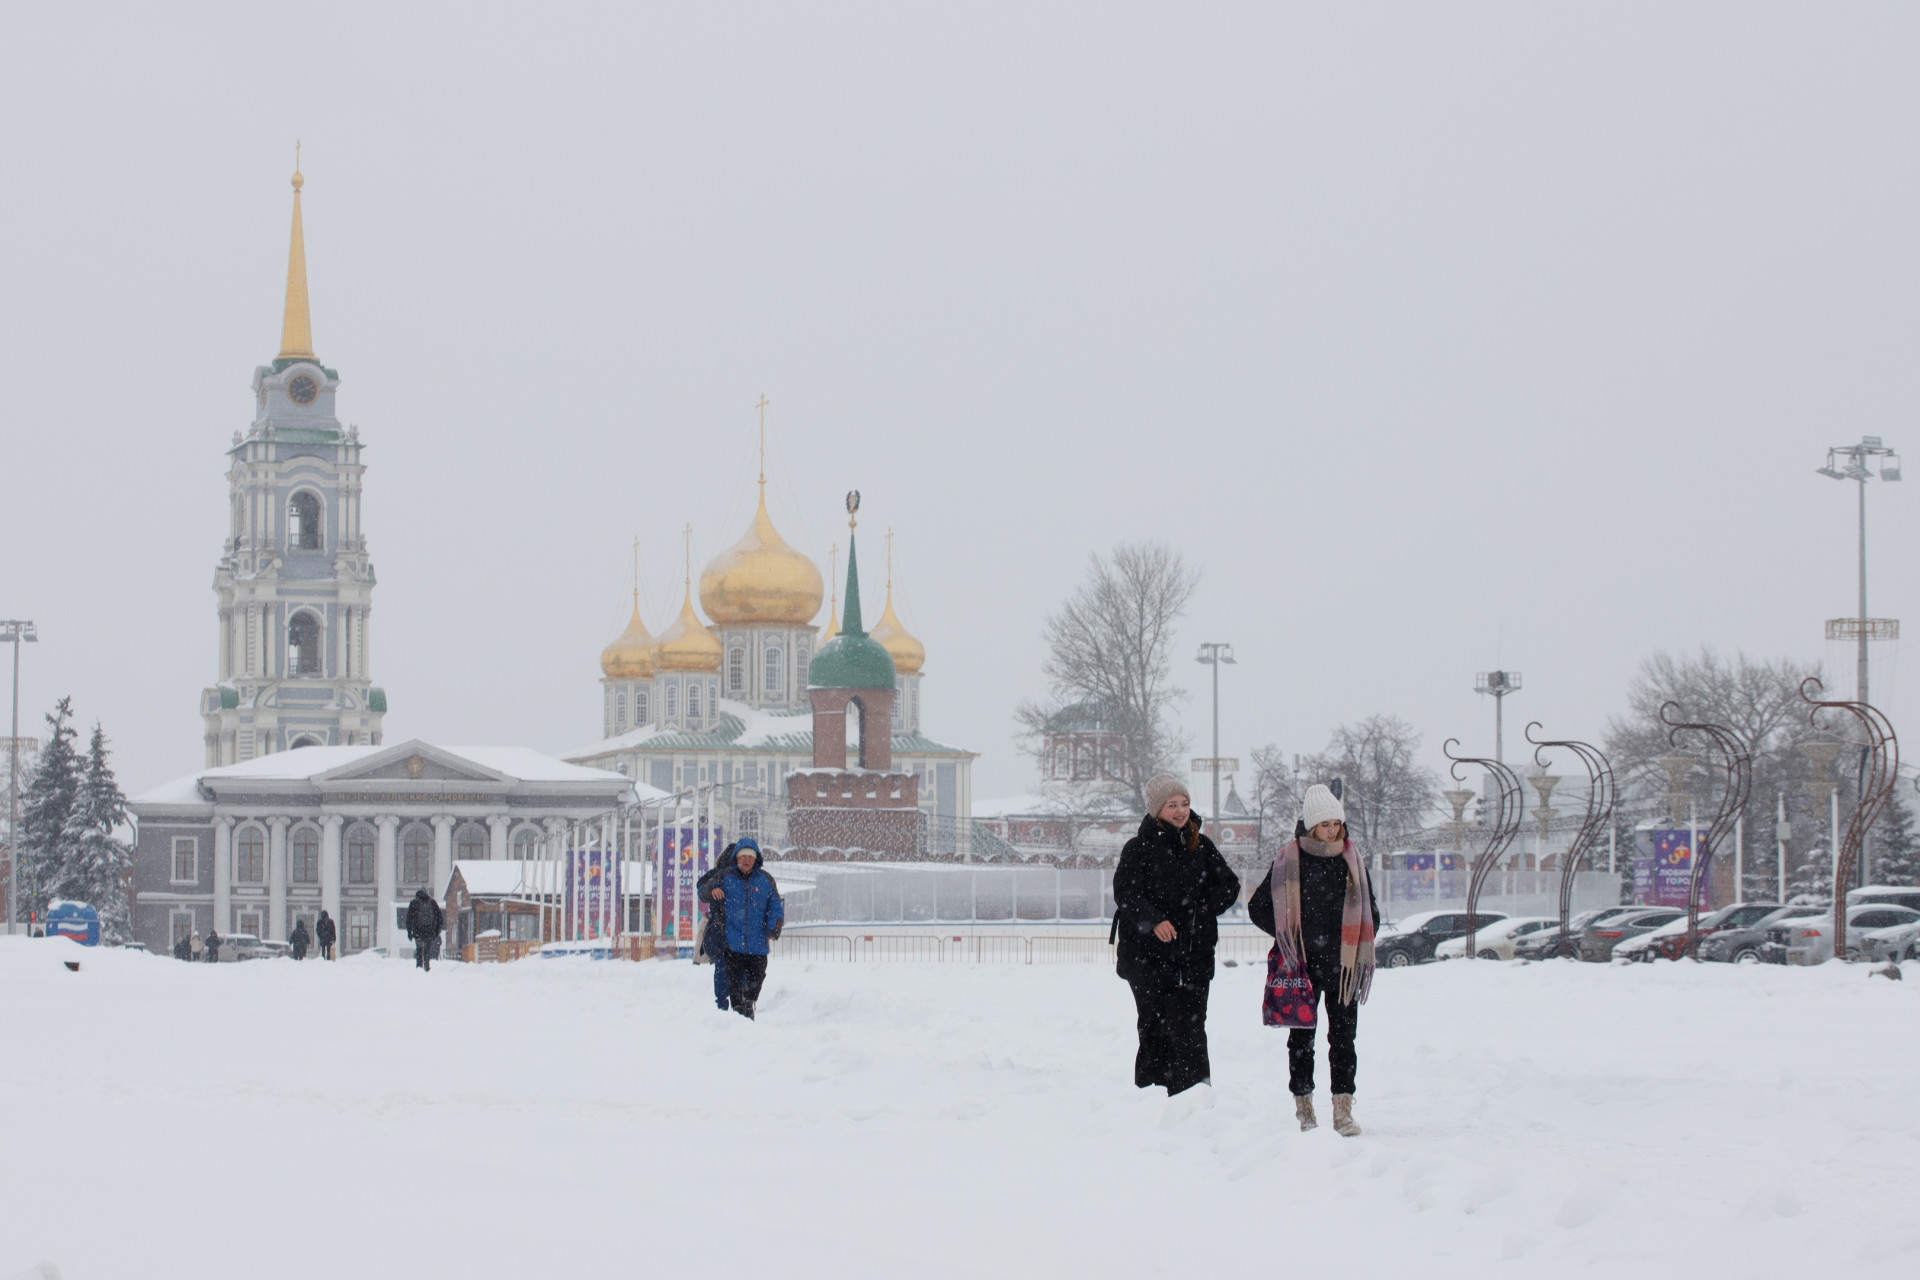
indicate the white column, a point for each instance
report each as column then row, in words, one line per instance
column 442, row 856
column 222, row 873
column 497, row 826
column 387, row 880
column 277, row 879
column 330, row 866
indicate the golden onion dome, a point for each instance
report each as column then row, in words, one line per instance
column 909, row 655
column 631, row 656
column 686, row 645
column 761, row 579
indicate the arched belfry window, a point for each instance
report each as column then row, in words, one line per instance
column 303, row 645
column 736, row 671
column 303, row 522
column 776, row 670
column 693, row 702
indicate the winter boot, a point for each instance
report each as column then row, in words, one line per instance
column 1303, row 1111
column 1343, row 1116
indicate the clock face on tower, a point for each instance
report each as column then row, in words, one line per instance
column 302, row 388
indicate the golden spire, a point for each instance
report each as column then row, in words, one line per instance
column 687, row 645
column 762, row 407
column 833, row 610
column 296, row 330
column 909, row 655
column 630, row 656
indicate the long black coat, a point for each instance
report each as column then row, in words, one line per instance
column 424, row 917
column 323, row 932
column 1160, row 878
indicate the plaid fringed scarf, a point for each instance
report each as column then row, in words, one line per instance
column 1356, row 921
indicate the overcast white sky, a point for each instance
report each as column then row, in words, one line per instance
column 1436, row 336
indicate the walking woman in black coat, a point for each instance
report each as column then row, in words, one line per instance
column 1318, row 903
column 1168, row 890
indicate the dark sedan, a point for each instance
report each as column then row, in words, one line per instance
column 1742, row 945
column 1671, row 945
column 1412, row 940
column 1597, row 943
column 1545, row 944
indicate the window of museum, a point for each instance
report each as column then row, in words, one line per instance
column 736, row 670
column 303, row 522
column 359, row 930
column 619, row 712
column 750, row 823
column 526, row 844
column 250, row 856
column 186, row 860
column 363, row 847
column 470, row 843
column 639, row 708
column 304, row 853
column 416, row 855
column 693, row 703
column 249, row 922
column 673, row 703
column 180, row 926
column 776, row 669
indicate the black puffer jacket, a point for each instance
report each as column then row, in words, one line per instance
column 1323, row 901
column 1161, row 878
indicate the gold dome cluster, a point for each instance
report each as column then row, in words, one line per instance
column 687, row 645
column 909, row 655
column 760, row 579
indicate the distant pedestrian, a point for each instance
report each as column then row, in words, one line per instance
column 213, row 946
column 299, row 940
column 424, row 920
column 182, row 949
column 713, row 942
column 323, row 933
column 196, row 947
column 754, row 917
column 1169, row 889
column 1318, row 903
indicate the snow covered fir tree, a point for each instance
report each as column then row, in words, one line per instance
column 71, row 823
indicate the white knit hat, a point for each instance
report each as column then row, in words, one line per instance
column 1321, row 805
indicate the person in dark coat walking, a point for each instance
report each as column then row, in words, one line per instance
column 324, row 932
column 299, row 940
column 424, row 921
column 1317, row 901
column 213, row 946
column 183, row 949
column 1168, row 891
column 755, row 916
column 713, row 943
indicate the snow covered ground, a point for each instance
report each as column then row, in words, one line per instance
column 579, row 1117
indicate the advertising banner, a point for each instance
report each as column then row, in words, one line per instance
column 687, row 854
column 1663, row 867
column 592, row 895
column 1452, row 873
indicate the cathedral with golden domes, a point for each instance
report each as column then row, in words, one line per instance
column 719, row 711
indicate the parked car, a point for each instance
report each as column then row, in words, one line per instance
column 1597, row 943
column 1412, row 940
column 235, row 947
column 1809, row 939
column 1669, row 941
column 1891, row 895
column 1894, row 942
column 1742, row 946
column 1495, row 941
column 1546, row 943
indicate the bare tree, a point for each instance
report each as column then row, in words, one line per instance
column 1386, row 791
column 1760, row 701
column 1109, row 653
column 1276, row 796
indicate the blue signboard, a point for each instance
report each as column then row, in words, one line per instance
column 74, row 920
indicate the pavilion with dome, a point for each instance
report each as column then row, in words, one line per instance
column 720, row 711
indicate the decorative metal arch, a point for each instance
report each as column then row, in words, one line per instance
column 1506, row 823
column 1600, row 798
column 1736, row 767
column 1882, row 767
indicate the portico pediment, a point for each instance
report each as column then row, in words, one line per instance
column 414, row 761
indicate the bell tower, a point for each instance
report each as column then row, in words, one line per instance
column 294, row 584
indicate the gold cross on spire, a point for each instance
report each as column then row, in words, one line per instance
column 889, row 563
column 762, row 407
column 689, row 536
column 636, row 573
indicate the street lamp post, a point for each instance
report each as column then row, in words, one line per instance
column 16, row 630
column 1214, row 655
column 1859, row 462
column 1499, row 684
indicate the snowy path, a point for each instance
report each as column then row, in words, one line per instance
column 549, row 1118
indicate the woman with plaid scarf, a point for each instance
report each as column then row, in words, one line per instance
column 1317, row 901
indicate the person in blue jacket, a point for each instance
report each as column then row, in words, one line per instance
column 754, row 917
